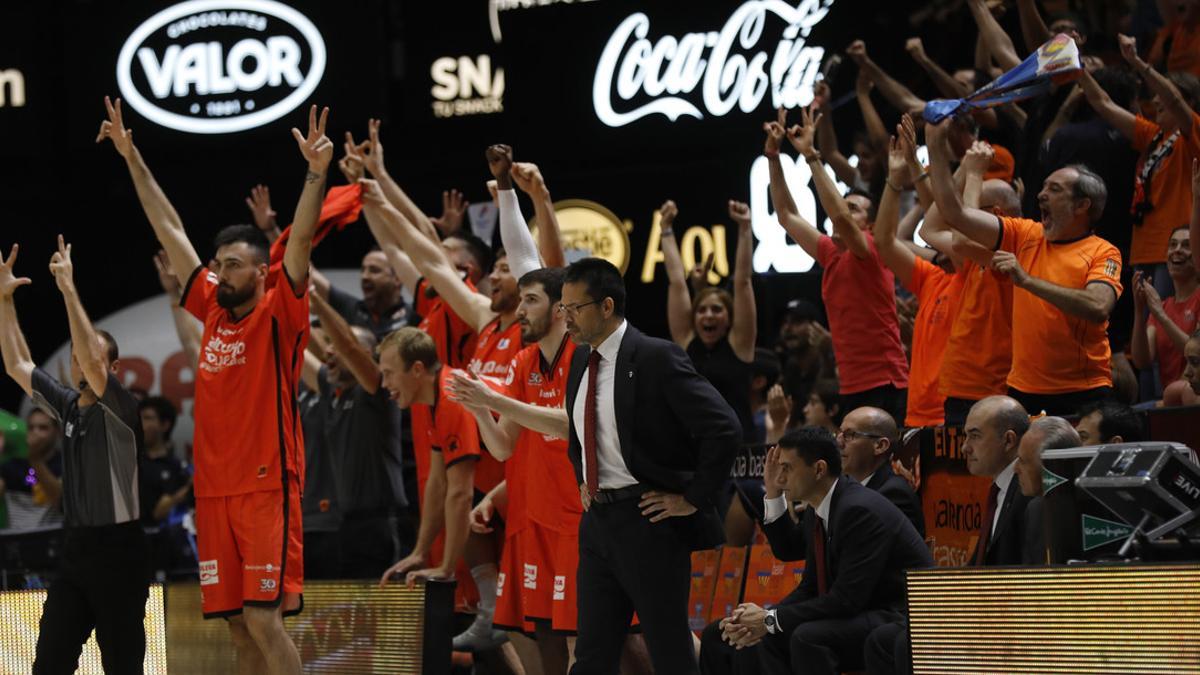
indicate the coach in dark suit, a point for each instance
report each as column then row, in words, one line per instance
column 867, row 438
column 859, row 546
column 652, row 443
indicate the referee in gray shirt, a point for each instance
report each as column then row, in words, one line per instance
column 102, row 582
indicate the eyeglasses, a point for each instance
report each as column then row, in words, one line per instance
column 573, row 310
column 850, row 434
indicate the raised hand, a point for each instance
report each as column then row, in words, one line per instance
column 907, row 133
column 801, row 135
column 897, row 159
column 528, row 177
column 166, row 276
column 259, row 203
column 776, row 130
column 668, row 211
column 740, row 213
column 114, row 129
column 978, row 158
column 454, row 207
column 500, row 160
column 915, row 48
column 822, row 95
column 61, row 267
column 771, row 472
column 1129, row 51
column 1153, row 300
column 857, row 51
column 316, row 146
column 369, row 153
column 8, row 281
column 372, row 194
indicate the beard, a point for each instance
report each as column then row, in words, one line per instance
column 230, row 298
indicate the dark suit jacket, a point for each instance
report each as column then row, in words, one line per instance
column 677, row 432
column 1017, row 538
column 899, row 492
column 870, row 544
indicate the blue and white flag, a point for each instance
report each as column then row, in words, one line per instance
column 1055, row 62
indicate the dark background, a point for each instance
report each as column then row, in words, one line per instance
column 54, row 178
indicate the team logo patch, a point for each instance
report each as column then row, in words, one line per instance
column 503, row 344
column 266, row 585
column 560, row 587
column 262, row 471
column 531, row 576
column 208, row 573
column 535, row 378
column 1111, row 267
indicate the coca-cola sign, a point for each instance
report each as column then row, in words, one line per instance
column 710, row 73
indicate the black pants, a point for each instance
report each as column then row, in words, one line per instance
column 322, row 555
column 822, row 647
column 103, row 584
column 368, row 545
column 887, row 651
column 1059, row 404
column 887, row 397
column 627, row 563
column 956, row 410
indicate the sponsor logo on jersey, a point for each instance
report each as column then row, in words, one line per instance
column 208, row 573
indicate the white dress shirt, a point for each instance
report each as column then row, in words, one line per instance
column 773, row 508
column 1003, row 481
column 612, row 473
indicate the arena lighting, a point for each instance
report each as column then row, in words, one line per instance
column 207, row 62
column 1126, row 618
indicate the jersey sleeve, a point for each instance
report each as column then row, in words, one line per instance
column 290, row 307
column 1106, row 267
column 457, row 434
column 50, row 395
column 1016, row 231
column 200, row 293
column 1143, row 132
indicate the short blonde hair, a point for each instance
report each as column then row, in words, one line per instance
column 413, row 345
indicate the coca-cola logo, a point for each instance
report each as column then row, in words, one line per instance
column 735, row 66
column 220, row 66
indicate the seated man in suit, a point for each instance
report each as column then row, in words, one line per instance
column 859, row 545
column 1011, row 531
column 867, row 439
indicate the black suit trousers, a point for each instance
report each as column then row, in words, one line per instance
column 627, row 564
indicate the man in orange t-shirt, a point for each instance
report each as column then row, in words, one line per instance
column 1067, row 281
column 248, row 449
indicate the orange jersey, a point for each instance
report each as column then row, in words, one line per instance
column 1054, row 352
column 978, row 353
column 247, row 428
column 938, row 296
column 446, row 427
column 494, row 352
column 454, row 337
column 1169, row 189
column 544, row 471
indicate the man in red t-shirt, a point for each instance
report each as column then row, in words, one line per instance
column 249, row 453
column 859, row 292
column 541, row 550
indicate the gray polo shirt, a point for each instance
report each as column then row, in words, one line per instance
column 100, row 450
column 364, row 447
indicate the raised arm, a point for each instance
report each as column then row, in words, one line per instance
column 999, row 45
column 401, row 264
column 469, row 390
column 454, row 210
column 900, row 96
column 1033, row 27
column 187, row 329
column 1172, row 101
column 1155, row 304
column 85, row 342
column 876, row 131
column 744, row 331
column 17, row 361
column 370, row 153
column 679, row 299
column 802, row 231
column 827, row 139
column 168, row 228
column 514, row 232
column 428, row 257
column 978, row 225
column 920, row 176
column 1119, row 118
column 1141, row 342
column 801, row 137
column 892, row 251
column 318, row 152
column 946, row 84
column 529, row 178
column 259, row 203
column 356, row 357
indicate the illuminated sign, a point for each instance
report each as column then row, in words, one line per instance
column 220, row 66
column 466, row 86
column 12, row 88
column 497, row 6
column 669, row 69
column 588, row 229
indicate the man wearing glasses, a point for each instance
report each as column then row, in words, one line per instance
column 652, row 443
column 867, row 439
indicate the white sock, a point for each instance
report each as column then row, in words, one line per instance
column 485, row 580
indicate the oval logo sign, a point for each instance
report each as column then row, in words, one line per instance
column 220, row 66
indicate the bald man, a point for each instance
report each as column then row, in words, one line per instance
column 867, row 438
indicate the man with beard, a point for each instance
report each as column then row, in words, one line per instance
column 102, row 581
column 542, row 530
column 382, row 308
column 248, row 454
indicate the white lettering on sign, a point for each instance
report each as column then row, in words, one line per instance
column 12, row 88
column 261, row 76
column 466, row 86
column 672, row 67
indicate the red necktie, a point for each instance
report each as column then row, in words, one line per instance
column 591, row 463
column 985, row 534
column 819, row 554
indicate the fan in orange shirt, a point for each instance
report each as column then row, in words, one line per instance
column 1067, row 281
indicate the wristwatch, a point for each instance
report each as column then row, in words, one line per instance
column 771, row 622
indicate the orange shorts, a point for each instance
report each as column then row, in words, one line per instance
column 251, row 551
column 538, row 570
column 510, row 602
